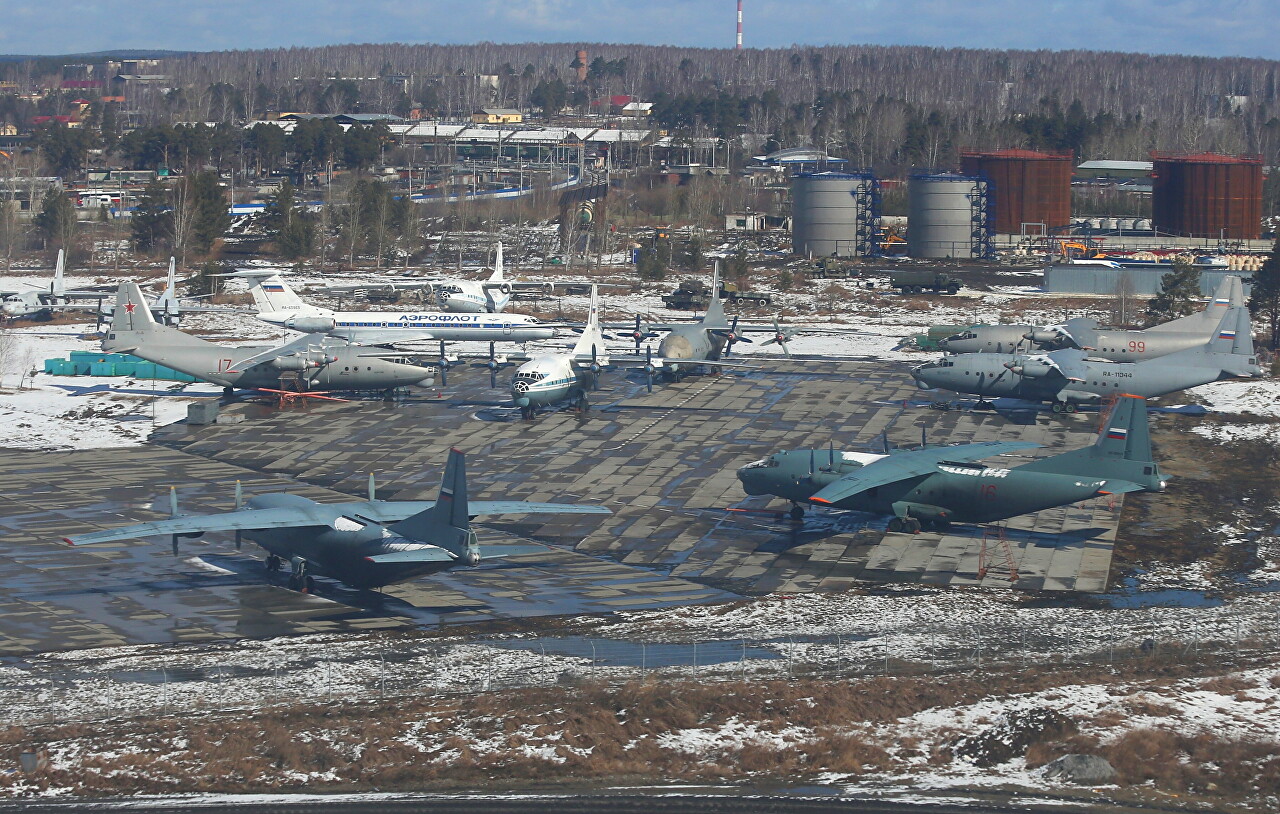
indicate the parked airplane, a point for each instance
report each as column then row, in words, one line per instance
column 364, row 544
column 458, row 296
column 1068, row 378
column 558, row 377
column 939, row 485
column 278, row 304
column 36, row 300
column 1115, row 345
column 312, row 363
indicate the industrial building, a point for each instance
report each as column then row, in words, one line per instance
column 1028, row 188
column 1206, row 195
column 1137, row 282
column 949, row 217
column 834, row 214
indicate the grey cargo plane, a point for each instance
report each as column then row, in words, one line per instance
column 364, row 544
column 1067, row 378
column 1115, row 345
column 318, row 364
column 938, row 485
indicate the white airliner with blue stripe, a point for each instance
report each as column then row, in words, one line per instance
column 278, row 304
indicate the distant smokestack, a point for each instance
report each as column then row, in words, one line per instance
column 739, row 25
column 581, row 65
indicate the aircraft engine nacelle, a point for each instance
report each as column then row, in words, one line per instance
column 1045, row 336
column 311, row 325
column 301, row 361
column 1031, row 368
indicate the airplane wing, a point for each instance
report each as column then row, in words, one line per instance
column 911, row 464
column 244, row 520
column 432, row 554
column 393, row 511
column 396, row 336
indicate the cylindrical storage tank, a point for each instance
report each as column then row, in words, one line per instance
column 1026, row 186
column 942, row 212
column 1142, row 224
column 834, row 213
column 1207, row 195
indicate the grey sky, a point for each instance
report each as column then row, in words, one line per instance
column 1207, row 27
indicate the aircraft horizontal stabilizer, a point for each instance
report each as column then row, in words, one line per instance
column 1120, row 487
column 911, row 464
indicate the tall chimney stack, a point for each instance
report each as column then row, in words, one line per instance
column 739, row 25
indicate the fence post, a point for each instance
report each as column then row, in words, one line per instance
column 644, row 656
column 328, row 680
column 695, row 658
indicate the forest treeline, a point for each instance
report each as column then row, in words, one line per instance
column 892, row 108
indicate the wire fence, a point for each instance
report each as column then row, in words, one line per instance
column 259, row 676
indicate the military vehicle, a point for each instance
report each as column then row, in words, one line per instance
column 1068, row 378
column 914, row 281
column 695, row 295
column 364, row 544
column 936, row 486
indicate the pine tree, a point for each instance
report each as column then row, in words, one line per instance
column 152, row 218
column 1179, row 294
column 1264, row 298
column 211, row 218
column 56, row 221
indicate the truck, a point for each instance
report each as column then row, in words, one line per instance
column 914, row 282
column 696, row 295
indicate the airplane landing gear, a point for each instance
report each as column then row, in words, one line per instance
column 1065, row 407
column 581, row 403
column 910, row 525
column 299, row 579
column 273, row 564
column 796, row 513
column 527, row 413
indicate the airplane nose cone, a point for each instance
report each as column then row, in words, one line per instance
column 675, row 347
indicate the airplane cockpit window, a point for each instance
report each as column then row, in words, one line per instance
column 530, row 376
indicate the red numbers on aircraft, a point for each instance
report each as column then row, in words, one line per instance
column 987, row 491
column 1137, row 346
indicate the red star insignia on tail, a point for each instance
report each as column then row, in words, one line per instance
column 128, row 307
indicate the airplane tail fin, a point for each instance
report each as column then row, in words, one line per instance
column 497, row 277
column 58, row 288
column 131, row 321
column 447, row 523
column 167, row 302
column 272, row 294
column 1229, row 294
column 1122, row 451
column 591, row 334
column 715, row 308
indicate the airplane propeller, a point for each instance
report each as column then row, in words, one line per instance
column 650, row 369
column 445, row 361
column 780, row 337
column 595, row 369
column 494, row 362
column 239, row 506
column 641, row 333
column 731, row 336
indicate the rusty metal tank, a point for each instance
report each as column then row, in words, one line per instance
column 1025, row 186
column 1207, row 195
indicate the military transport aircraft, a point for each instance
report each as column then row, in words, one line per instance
column 938, row 485
column 35, row 300
column 458, row 296
column 311, row 363
column 1067, row 378
column 278, row 304
column 553, row 378
column 364, row 544
column 1112, row 344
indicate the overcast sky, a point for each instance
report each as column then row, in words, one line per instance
column 1206, row 27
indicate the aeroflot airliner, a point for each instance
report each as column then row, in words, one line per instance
column 278, row 304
